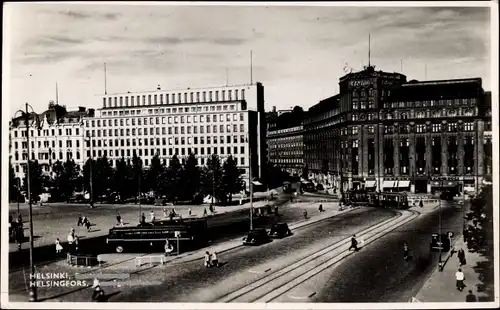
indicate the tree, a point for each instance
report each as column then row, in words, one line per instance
column 102, row 176
column 171, row 180
column 153, row 174
column 137, row 175
column 305, row 172
column 231, row 179
column 14, row 190
column 212, row 178
column 36, row 180
column 66, row 179
column 191, row 177
column 122, row 178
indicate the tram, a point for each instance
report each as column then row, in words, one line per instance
column 377, row 199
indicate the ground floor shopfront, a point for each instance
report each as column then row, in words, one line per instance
column 416, row 185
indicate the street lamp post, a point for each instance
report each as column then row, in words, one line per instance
column 26, row 115
column 89, row 137
column 440, row 261
column 250, row 185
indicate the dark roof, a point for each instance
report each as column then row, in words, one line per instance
column 435, row 90
column 56, row 114
column 325, row 105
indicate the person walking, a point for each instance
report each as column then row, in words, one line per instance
column 321, row 208
column 276, row 211
column 165, row 215
column 189, row 211
column 421, row 204
column 76, row 242
column 215, row 261
column 98, row 292
column 168, row 248
column 143, row 218
column 354, row 244
column 460, row 277
column 305, row 214
column 59, row 247
column 118, row 219
column 80, row 220
column 406, row 252
column 84, row 220
column 470, row 297
column 207, row 259
column 205, row 212
column 87, row 224
column 461, row 257
column 152, row 216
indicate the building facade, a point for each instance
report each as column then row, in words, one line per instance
column 224, row 121
column 58, row 136
column 286, row 149
column 384, row 133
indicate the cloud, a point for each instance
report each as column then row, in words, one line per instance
column 75, row 15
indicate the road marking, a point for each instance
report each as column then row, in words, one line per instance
column 302, row 297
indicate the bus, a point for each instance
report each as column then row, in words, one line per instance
column 376, row 199
column 189, row 234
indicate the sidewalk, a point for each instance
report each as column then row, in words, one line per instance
column 49, row 224
column 440, row 287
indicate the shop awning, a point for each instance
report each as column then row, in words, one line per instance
column 388, row 184
column 256, row 183
column 403, row 184
column 370, row 184
column 444, row 183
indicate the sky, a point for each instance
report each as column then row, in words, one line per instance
column 299, row 52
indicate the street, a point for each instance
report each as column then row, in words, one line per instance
column 378, row 273
column 191, row 281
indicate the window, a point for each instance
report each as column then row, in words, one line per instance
column 371, row 129
column 469, row 126
column 420, row 128
column 436, row 127
column 452, row 127
column 355, row 130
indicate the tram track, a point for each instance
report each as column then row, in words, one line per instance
column 279, row 282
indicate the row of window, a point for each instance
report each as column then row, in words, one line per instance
column 164, row 152
column 163, row 141
column 164, row 130
column 46, row 144
column 47, row 132
column 406, row 128
column 164, row 120
column 138, row 100
column 431, row 103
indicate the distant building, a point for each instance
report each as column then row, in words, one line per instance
column 285, row 140
column 221, row 120
column 384, row 133
column 60, row 138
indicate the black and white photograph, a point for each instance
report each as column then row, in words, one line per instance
column 222, row 155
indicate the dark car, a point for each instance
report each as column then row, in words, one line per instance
column 256, row 236
column 443, row 244
column 280, row 230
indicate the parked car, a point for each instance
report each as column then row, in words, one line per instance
column 443, row 244
column 280, row 230
column 256, row 236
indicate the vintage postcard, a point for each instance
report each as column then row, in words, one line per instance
column 222, row 155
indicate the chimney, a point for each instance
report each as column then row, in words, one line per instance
column 274, row 108
column 158, row 88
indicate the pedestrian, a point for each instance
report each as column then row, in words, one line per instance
column 80, row 220
column 215, row 261
column 276, row 211
column 19, row 236
column 461, row 257
column 59, row 247
column 165, row 215
column 205, row 212
column 84, row 220
column 421, row 204
column 305, row 214
column 152, row 215
column 168, row 248
column 98, row 292
column 406, row 252
column 189, row 211
column 321, row 208
column 460, row 277
column 470, row 297
column 118, row 218
column 143, row 218
column 207, row 259
column 76, row 242
column 171, row 215
column 87, row 224
column 354, row 243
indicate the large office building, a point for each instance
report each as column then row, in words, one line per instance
column 221, row 120
column 384, row 133
column 56, row 134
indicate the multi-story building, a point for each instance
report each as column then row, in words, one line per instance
column 286, row 149
column 222, row 120
column 58, row 136
column 384, row 133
